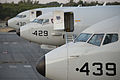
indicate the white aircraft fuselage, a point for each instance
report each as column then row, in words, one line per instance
column 27, row 16
column 94, row 55
column 44, row 33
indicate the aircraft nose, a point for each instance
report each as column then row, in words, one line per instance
column 18, row 32
column 41, row 66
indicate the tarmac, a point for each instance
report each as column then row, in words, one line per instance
column 18, row 58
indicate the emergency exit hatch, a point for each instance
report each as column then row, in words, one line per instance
column 34, row 14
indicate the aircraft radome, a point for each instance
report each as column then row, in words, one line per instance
column 50, row 28
column 94, row 55
column 27, row 16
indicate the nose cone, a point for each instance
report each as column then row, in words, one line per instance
column 13, row 23
column 18, row 32
column 41, row 66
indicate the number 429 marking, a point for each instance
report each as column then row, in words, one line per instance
column 40, row 33
column 110, row 67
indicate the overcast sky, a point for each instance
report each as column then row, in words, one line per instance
column 60, row 1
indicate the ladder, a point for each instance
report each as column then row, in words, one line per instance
column 69, row 37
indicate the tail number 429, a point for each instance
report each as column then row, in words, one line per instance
column 110, row 69
column 40, row 33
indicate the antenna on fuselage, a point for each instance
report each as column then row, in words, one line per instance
column 61, row 5
column 80, row 5
column 97, row 5
column 104, row 4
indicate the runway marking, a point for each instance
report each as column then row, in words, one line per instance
column 14, row 42
column 11, row 42
column 12, row 66
column 5, row 42
column 13, row 62
column 27, row 66
column 5, row 52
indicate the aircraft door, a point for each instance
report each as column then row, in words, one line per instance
column 69, row 21
column 58, row 20
column 64, row 21
column 32, row 15
column 38, row 13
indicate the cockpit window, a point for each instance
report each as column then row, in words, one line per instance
column 35, row 20
column 96, row 39
column 109, row 38
column 41, row 21
column 83, row 37
column 21, row 16
column 45, row 21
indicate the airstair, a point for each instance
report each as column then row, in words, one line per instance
column 69, row 37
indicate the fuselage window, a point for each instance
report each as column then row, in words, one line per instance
column 24, row 16
column 96, row 39
column 40, row 21
column 38, row 13
column 83, row 37
column 35, row 20
column 109, row 38
column 45, row 21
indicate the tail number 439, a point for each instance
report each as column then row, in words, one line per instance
column 110, row 69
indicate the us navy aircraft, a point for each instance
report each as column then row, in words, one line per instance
column 29, row 15
column 49, row 28
column 94, row 55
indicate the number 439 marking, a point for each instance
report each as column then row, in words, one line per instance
column 110, row 69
